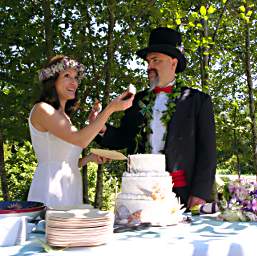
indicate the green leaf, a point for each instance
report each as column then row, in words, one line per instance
column 6, row 91
column 191, row 24
column 242, row 8
column 249, row 13
column 205, row 40
column 178, row 21
column 45, row 246
column 195, row 15
column 203, row 10
column 211, row 10
column 242, row 15
column 199, row 25
column 178, row 15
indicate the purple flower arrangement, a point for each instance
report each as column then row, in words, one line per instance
column 239, row 201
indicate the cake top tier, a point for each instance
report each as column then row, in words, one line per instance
column 146, row 163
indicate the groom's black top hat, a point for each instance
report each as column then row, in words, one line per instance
column 167, row 41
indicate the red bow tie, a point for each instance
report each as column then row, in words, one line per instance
column 167, row 89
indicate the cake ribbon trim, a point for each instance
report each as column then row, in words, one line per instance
column 178, row 178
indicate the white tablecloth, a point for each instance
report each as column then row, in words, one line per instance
column 205, row 236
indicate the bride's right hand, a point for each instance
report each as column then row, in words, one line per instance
column 121, row 102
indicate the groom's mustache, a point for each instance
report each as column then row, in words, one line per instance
column 152, row 69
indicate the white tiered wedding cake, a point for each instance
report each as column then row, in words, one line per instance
column 146, row 193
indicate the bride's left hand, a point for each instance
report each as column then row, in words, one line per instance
column 99, row 159
column 93, row 158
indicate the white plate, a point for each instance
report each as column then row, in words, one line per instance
column 111, row 154
column 79, row 214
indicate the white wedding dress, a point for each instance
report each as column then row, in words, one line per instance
column 57, row 180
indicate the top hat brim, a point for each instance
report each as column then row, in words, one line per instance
column 168, row 50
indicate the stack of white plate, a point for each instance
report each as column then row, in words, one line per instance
column 78, row 227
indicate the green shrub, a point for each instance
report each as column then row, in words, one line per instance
column 20, row 164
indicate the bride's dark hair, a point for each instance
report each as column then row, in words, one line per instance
column 49, row 93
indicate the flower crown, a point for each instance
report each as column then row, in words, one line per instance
column 62, row 65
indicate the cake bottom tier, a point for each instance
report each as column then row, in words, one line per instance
column 157, row 212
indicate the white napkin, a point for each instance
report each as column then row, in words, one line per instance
column 13, row 230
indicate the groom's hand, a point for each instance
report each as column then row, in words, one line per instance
column 193, row 200
column 96, row 109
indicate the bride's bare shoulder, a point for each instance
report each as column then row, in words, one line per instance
column 44, row 108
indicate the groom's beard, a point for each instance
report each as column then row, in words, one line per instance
column 155, row 80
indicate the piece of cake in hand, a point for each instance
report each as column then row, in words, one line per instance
column 146, row 193
column 131, row 91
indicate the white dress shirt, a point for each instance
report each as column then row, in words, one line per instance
column 156, row 138
column 158, row 129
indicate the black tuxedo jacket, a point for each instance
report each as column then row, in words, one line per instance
column 190, row 142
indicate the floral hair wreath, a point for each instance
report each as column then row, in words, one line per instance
column 62, row 65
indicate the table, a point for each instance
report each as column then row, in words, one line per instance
column 205, row 236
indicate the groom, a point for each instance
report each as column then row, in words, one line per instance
column 170, row 119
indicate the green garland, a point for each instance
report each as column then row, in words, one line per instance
column 147, row 112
